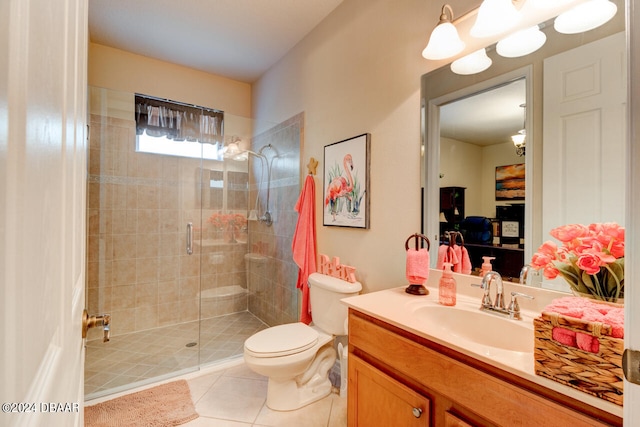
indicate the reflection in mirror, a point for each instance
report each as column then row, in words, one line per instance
column 482, row 175
column 574, row 164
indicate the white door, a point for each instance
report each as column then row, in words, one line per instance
column 43, row 48
column 584, row 138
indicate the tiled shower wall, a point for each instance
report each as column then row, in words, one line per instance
column 138, row 207
column 273, row 296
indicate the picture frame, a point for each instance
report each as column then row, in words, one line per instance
column 510, row 229
column 510, row 182
column 346, row 192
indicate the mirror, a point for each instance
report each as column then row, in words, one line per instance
column 561, row 152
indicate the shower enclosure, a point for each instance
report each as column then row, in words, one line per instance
column 167, row 240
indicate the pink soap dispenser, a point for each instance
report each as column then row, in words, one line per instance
column 447, row 286
column 486, row 265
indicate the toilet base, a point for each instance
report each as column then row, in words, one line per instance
column 310, row 386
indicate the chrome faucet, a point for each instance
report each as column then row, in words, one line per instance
column 525, row 272
column 498, row 307
column 486, row 286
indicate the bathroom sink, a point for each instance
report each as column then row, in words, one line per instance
column 476, row 326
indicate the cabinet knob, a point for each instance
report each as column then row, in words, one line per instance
column 417, row 412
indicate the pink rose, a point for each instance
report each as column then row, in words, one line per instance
column 589, row 262
column 550, row 272
column 566, row 233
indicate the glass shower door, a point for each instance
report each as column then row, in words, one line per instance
column 138, row 269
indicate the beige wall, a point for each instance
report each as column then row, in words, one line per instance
column 127, row 72
column 359, row 71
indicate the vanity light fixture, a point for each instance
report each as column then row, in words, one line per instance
column 444, row 41
column 495, row 17
column 521, row 42
column 473, row 63
column 585, row 16
column 519, row 139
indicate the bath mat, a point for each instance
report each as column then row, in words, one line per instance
column 165, row 405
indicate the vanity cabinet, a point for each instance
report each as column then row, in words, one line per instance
column 393, row 372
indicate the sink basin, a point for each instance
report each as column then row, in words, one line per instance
column 474, row 325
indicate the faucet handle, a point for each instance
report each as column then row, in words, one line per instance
column 514, row 307
column 486, row 299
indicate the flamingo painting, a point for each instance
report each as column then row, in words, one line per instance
column 340, row 186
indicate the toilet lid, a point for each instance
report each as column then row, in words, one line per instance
column 282, row 340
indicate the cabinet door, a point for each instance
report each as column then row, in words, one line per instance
column 376, row 400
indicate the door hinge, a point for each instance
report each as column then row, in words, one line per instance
column 631, row 365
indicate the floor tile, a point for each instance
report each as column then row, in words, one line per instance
column 236, row 399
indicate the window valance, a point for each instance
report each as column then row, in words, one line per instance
column 178, row 121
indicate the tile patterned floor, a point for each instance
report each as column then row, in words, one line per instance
column 231, row 395
column 236, row 396
column 135, row 359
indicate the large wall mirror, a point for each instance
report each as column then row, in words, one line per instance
column 569, row 101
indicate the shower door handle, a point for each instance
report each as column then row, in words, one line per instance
column 189, row 238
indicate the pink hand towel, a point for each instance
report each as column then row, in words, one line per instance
column 457, row 256
column 417, row 268
column 442, row 256
column 615, row 318
column 465, row 262
column 564, row 336
column 587, row 342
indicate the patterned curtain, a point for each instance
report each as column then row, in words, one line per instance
column 178, row 121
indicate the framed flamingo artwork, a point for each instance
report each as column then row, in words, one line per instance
column 346, row 183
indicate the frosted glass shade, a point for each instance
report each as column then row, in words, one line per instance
column 521, row 43
column 585, row 16
column 473, row 63
column 495, row 17
column 444, row 42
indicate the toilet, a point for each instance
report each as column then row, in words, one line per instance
column 296, row 357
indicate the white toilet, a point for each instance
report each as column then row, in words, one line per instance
column 296, row 357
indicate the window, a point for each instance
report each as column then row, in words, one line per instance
column 177, row 129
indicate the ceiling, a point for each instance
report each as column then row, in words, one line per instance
column 487, row 118
column 238, row 39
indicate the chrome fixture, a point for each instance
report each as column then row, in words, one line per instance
column 514, row 307
column 498, row 307
column 266, row 217
column 487, row 303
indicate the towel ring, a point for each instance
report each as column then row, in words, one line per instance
column 419, row 238
column 452, row 236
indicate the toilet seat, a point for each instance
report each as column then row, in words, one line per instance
column 281, row 340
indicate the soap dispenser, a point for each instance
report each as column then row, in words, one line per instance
column 486, row 265
column 447, row 286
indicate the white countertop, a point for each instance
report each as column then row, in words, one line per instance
column 396, row 307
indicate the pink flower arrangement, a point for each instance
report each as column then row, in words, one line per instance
column 590, row 259
column 227, row 221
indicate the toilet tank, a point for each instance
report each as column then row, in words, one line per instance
column 325, row 293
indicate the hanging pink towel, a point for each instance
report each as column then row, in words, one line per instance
column 446, row 254
column 303, row 245
column 465, row 262
column 417, row 268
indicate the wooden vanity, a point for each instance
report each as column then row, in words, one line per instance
column 399, row 378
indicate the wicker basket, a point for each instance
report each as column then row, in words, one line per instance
column 599, row 374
